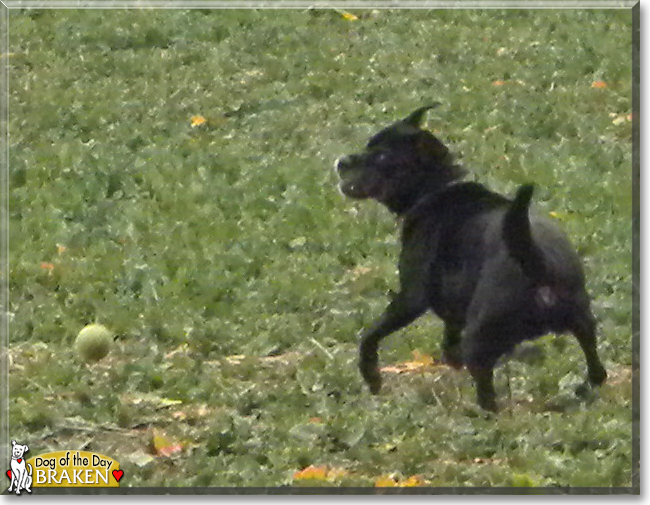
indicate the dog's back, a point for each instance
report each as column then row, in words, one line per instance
column 467, row 228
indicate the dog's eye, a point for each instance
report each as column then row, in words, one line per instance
column 381, row 157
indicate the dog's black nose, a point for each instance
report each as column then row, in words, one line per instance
column 339, row 164
column 343, row 163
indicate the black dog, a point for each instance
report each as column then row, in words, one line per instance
column 494, row 276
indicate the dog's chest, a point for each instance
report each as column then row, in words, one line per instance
column 17, row 465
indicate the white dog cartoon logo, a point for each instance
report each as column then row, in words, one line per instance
column 21, row 472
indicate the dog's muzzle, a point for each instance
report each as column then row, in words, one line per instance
column 350, row 181
column 344, row 163
column 339, row 163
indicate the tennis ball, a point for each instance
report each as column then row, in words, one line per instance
column 93, row 342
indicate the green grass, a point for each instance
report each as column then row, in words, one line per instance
column 194, row 244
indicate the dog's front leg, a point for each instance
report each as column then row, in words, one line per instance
column 416, row 257
column 23, row 479
column 402, row 311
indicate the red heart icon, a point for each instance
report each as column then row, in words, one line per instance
column 9, row 473
column 20, row 460
column 118, row 474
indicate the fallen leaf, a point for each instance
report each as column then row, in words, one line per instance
column 311, row 472
column 349, row 16
column 198, row 121
column 413, row 481
column 320, row 473
column 385, row 481
column 163, row 445
column 170, row 450
column 599, row 84
column 420, row 361
column 421, row 358
column 167, row 402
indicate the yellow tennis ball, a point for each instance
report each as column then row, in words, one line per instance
column 93, row 342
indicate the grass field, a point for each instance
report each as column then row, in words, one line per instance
column 235, row 276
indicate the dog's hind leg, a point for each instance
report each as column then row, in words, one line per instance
column 483, row 379
column 401, row 312
column 451, row 349
column 584, row 329
column 480, row 361
column 483, row 344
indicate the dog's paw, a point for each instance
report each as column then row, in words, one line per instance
column 375, row 386
column 489, row 405
column 598, row 376
column 453, row 357
column 368, row 366
column 373, row 379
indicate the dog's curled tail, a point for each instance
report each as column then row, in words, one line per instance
column 518, row 237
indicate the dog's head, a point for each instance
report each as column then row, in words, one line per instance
column 18, row 450
column 399, row 165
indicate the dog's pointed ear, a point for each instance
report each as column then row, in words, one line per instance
column 415, row 117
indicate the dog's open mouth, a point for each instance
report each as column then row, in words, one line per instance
column 352, row 189
column 351, row 183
